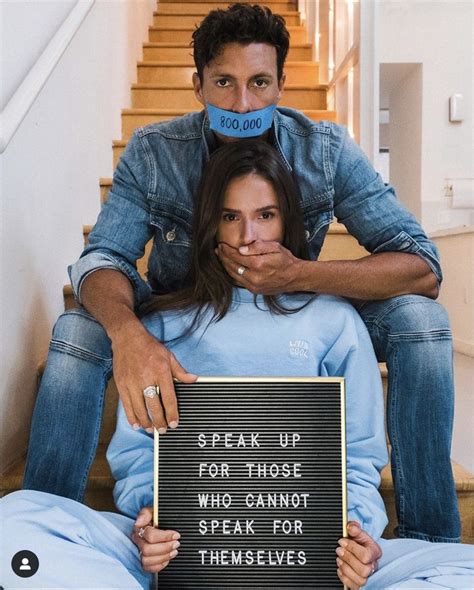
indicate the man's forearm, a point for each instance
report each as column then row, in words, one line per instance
column 377, row 276
column 108, row 295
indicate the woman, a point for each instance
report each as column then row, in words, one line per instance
column 246, row 194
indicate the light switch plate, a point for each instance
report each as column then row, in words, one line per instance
column 456, row 108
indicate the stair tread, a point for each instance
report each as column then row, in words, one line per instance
column 160, row 111
column 162, row 44
column 190, row 28
column 154, row 85
column 187, row 64
column 204, row 13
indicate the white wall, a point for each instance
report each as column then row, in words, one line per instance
column 457, row 295
column 406, row 145
column 439, row 35
column 49, row 180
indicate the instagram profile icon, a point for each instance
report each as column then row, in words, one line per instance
column 25, row 564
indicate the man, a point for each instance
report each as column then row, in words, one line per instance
column 239, row 55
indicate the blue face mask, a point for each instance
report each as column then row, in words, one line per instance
column 240, row 124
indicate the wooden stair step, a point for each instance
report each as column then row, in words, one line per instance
column 133, row 118
column 223, row 4
column 199, row 6
column 194, row 17
column 181, row 73
column 184, row 53
column 183, row 34
column 298, row 96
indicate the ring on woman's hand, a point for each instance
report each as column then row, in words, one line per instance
column 373, row 568
column 241, row 270
column 151, row 391
column 141, row 532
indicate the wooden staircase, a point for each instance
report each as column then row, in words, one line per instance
column 164, row 80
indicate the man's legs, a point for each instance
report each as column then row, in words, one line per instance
column 412, row 334
column 68, row 411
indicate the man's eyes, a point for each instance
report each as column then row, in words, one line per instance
column 267, row 215
column 258, row 83
column 229, row 217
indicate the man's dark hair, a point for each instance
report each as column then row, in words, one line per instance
column 240, row 23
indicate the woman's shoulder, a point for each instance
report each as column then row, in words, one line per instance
column 335, row 313
column 320, row 301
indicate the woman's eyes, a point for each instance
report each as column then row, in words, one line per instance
column 233, row 217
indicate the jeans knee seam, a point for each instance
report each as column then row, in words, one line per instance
column 428, row 335
column 69, row 348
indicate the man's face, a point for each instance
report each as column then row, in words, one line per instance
column 241, row 79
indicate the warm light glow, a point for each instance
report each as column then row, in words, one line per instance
column 350, row 23
column 350, row 102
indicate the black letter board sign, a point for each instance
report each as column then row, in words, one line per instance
column 254, row 479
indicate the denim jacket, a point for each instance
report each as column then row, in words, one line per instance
column 158, row 175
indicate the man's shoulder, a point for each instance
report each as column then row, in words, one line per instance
column 297, row 123
column 185, row 127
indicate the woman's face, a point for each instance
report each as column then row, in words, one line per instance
column 250, row 212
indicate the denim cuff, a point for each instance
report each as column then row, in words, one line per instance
column 403, row 242
column 88, row 264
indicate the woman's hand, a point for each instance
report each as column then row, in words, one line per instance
column 357, row 557
column 157, row 547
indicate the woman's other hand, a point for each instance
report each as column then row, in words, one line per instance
column 157, row 547
column 357, row 557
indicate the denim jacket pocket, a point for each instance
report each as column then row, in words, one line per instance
column 169, row 260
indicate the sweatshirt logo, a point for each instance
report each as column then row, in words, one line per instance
column 299, row 348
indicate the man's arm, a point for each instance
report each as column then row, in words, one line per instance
column 403, row 259
column 139, row 360
column 106, row 282
column 271, row 268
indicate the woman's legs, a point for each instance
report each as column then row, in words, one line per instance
column 411, row 563
column 412, row 334
column 76, row 547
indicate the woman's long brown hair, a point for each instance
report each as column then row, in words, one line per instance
column 207, row 284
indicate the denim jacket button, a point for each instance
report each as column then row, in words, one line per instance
column 306, row 234
column 170, row 236
column 405, row 244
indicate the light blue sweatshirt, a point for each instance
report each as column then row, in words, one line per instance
column 327, row 338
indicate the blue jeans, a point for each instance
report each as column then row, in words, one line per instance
column 410, row 333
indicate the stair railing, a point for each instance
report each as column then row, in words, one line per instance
column 25, row 95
